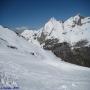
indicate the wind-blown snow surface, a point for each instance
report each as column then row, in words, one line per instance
column 29, row 67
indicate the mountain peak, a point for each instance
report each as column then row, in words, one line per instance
column 52, row 24
column 79, row 16
column 52, row 19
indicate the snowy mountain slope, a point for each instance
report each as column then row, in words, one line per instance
column 72, row 30
column 53, row 25
column 11, row 39
column 32, row 68
column 79, row 30
column 31, row 36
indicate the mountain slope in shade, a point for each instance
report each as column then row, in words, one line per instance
column 72, row 30
column 26, row 66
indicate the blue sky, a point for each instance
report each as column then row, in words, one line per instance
column 34, row 13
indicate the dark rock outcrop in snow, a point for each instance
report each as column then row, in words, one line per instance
column 78, row 55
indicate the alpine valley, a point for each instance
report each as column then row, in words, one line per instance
column 55, row 57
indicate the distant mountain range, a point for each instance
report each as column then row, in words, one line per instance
column 72, row 30
column 63, row 38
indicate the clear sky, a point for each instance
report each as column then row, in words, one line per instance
column 34, row 13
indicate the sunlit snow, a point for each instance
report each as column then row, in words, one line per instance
column 26, row 66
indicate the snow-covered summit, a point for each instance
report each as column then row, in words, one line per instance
column 72, row 30
column 53, row 25
column 73, row 21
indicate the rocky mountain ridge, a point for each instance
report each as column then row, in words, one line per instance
column 69, row 40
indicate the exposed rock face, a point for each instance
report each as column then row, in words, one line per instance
column 78, row 55
column 63, row 51
column 41, row 39
column 81, row 56
column 50, row 44
column 81, row 43
column 78, row 20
